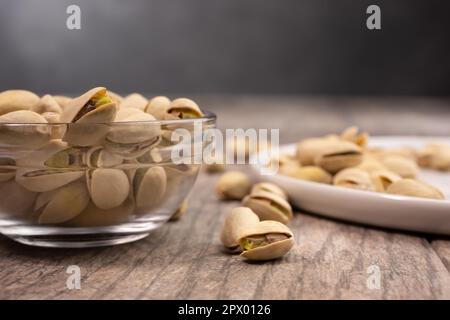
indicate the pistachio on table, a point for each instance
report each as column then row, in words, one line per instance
column 269, row 206
column 414, row 188
column 233, row 185
column 236, row 222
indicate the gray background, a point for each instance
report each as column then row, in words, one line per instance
column 227, row 46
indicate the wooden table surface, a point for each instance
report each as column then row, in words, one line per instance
column 184, row 259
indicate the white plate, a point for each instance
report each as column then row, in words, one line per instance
column 399, row 212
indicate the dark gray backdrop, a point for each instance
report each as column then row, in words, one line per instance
column 227, row 46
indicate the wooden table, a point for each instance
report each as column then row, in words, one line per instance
column 184, row 260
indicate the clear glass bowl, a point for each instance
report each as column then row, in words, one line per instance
column 96, row 184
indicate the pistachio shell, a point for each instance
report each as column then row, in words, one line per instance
column 382, row 179
column 269, row 187
column 7, row 169
column 404, row 167
column 308, row 149
column 47, row 168
column 180, row 211
column 29, row 137
column 15, row 100
column 92, row 216
column 354, row 178
column 370, row 164
column 149, row 186
column 68, row 202
column 131, row 140
column 266, row 230
column 158, row 107
column 99, row 157
column 441, row 159
column 237, row 221
column 338, row 156
column 352, row 134
column 108, row 187
column 183, row 108
column 47, row 104
column 62, row 101
column 233, row 185
column 309, row 173
column 269, row 206
column 16, row 200
column 414, row 188
column 91, row 125
column 134, row 100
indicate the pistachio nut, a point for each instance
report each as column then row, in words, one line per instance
column 237, row 221
column 99, row 157
column 15, row 100
column 7, row 169
column 49, row 168
column 354, row 178
column 233, row 185
column 309, row 173
column 269, row 187
column 308, row 149
column 62, row 101
column 117, row 98
column 414, row 188
column 404, row 167
column 269, row 206
column 107, row 187
column 16, row 200
column 131, row 140
column 352, row 134
column 149, row 186
column 183, row 108
column 158, row 107
column 91, row 113
column 134, row 100
column 339, row 155
column 47, row 104
column 441, row 159
column 370, row 164
column 382, row 179
column 93, row 216
column 32, row 136
column 180, row 211
column 65, row 204
column 266, row 240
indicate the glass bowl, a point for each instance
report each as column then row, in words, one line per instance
column 95, row 184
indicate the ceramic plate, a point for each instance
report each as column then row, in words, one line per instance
column 399, row 212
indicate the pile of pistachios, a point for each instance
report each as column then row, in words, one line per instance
column 94, row 160
column 345, row 160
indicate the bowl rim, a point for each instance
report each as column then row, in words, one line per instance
column 207, row 117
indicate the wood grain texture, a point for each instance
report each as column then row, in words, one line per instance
column 184, row 259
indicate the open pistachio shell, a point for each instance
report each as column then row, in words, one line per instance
column 382, row 179
column 180, row 211
column 269, row 187
column 352, row 134
column 149, row 186
column 68, row 202
column 404, row 167
column 183, row 108
column 158, row 107
column 31, row 137
column 47, row 104
column 16, row 200
column 91, row 112
column 309, row 173
column 99, row 157
column 92, row 216
column 269, row 206
column 134, row 100
column 15, row 100
column 108, row 187
column 237, row 221
column 266, row 240
column 7, row 169
column 308, row 149
column 338, row 156
column 354, row 178
column 414, row 188
column 133, row 139
column 48, row 168
column 233, row 185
